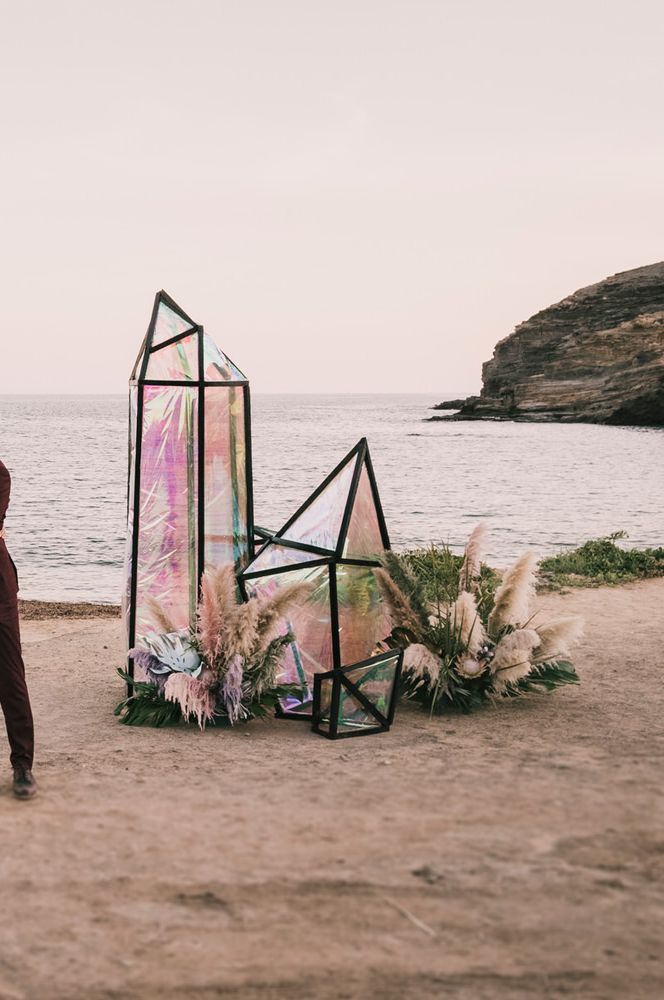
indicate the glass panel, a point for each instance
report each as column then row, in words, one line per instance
column 363, row 618
column 126, row 595
column 353, row 715
column 225, row 477
column 320, row 522
column 217, row 367
column 311, row 625
column 167, row 528
column 168, row 324
column 274, row 555
column 176, row 362
column 363, row 538
column 376, row 682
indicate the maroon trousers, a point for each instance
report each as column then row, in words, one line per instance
column 13, row 689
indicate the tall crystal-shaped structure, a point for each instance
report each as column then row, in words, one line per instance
column 332, row 542
column 190, row 497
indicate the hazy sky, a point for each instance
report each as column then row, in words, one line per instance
column 351, row 195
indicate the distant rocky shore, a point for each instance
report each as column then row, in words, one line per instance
column 597, row 356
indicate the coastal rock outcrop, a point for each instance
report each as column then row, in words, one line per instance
column 597, row 356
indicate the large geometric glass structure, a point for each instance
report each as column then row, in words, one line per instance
column 332, row 543
column 190, row 496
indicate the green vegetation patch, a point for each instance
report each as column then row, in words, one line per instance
column 599, row 562
column 437, row 570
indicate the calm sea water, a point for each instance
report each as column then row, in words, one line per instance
column 539, row 486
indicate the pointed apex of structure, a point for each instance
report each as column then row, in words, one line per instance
column 342, row 519
column 168, row 320
column 177, row 349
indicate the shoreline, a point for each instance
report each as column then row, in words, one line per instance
column 45, row 610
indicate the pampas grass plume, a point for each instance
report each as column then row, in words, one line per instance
column 193, row 697
column 556, row 638
column 472, row 559
column 273, row 611
column 421, row 662
column 209, row 619
column 243, row 638
column 512, row 658
column 226, row 590
column 514, row 596
column 466, row 622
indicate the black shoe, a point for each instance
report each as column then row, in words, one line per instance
column 24, row 784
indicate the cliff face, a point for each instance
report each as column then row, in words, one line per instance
column 596, row 356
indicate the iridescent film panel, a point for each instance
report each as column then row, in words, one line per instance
column 364, row 538
column 226, row 539
column 320, row 522
column 175, row 362
column 166, row 557
column 363, row 617
column 311, row 625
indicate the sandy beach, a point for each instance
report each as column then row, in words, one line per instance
column 515, row 853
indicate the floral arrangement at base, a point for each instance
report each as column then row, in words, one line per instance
column 225, row 671
column 482, row 645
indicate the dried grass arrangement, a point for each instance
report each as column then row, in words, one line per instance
column 224, row 671
column 463, row 653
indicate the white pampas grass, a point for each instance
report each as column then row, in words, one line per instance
column 467, row 623
column 514, row 596
column 512, row 659
column 472, row 559
column 419, row 661
column 556, row 638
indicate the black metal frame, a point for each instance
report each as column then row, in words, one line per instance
column 339, row 678
column 327, row 557
column 148, row 348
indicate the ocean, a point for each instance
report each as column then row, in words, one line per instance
column 544, row 487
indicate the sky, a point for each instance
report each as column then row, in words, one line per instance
column 351, row 196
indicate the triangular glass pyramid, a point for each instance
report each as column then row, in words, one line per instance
column 320, row 520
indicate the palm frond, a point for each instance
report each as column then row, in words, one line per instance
column 146, row 705
column 549, row 676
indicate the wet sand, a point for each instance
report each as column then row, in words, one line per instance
column 515, row 853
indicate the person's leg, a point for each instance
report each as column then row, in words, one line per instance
column 14, row 697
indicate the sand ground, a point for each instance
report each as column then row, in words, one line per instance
column 516, row 853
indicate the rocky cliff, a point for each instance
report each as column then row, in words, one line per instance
column 596, row 356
